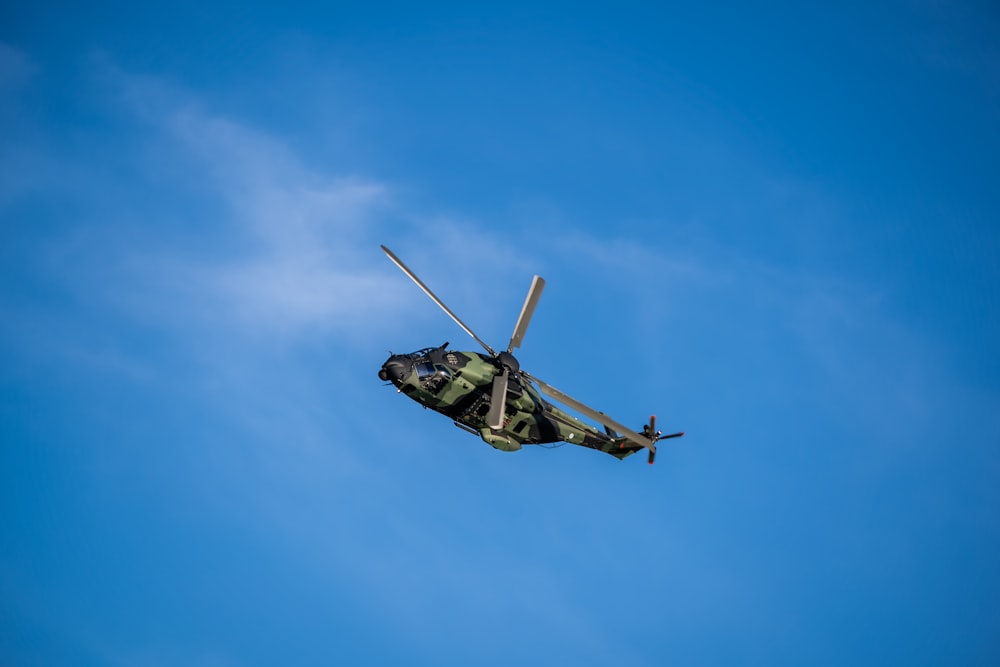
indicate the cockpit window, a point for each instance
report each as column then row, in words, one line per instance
column 432, row 377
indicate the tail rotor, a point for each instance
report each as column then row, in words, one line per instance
column 649, row 432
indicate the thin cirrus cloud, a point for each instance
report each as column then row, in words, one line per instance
column 298, row 256
column 300, row 249
column 297, row 252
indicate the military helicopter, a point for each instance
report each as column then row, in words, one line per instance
column 489, row 395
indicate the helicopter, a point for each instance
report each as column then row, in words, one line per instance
column 491, row 396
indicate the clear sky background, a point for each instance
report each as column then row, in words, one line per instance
column 776, row 228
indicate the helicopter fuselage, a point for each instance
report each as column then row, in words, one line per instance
column 458, row 385
column 492, row 397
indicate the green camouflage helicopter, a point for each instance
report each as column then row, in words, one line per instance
column 490, row 396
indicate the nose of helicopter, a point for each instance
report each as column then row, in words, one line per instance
column 396, row 369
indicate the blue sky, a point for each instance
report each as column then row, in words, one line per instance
column 776, row 229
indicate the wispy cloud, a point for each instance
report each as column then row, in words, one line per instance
column 300, row 253
column 300, row 257
column 305, row 255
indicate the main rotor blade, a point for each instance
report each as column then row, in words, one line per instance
column 398, row 262
column 498, row 400
column 527, row 310
column 599, row 417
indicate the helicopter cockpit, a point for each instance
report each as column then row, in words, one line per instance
column 430, row 375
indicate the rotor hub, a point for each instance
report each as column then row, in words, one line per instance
column 508, row 361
